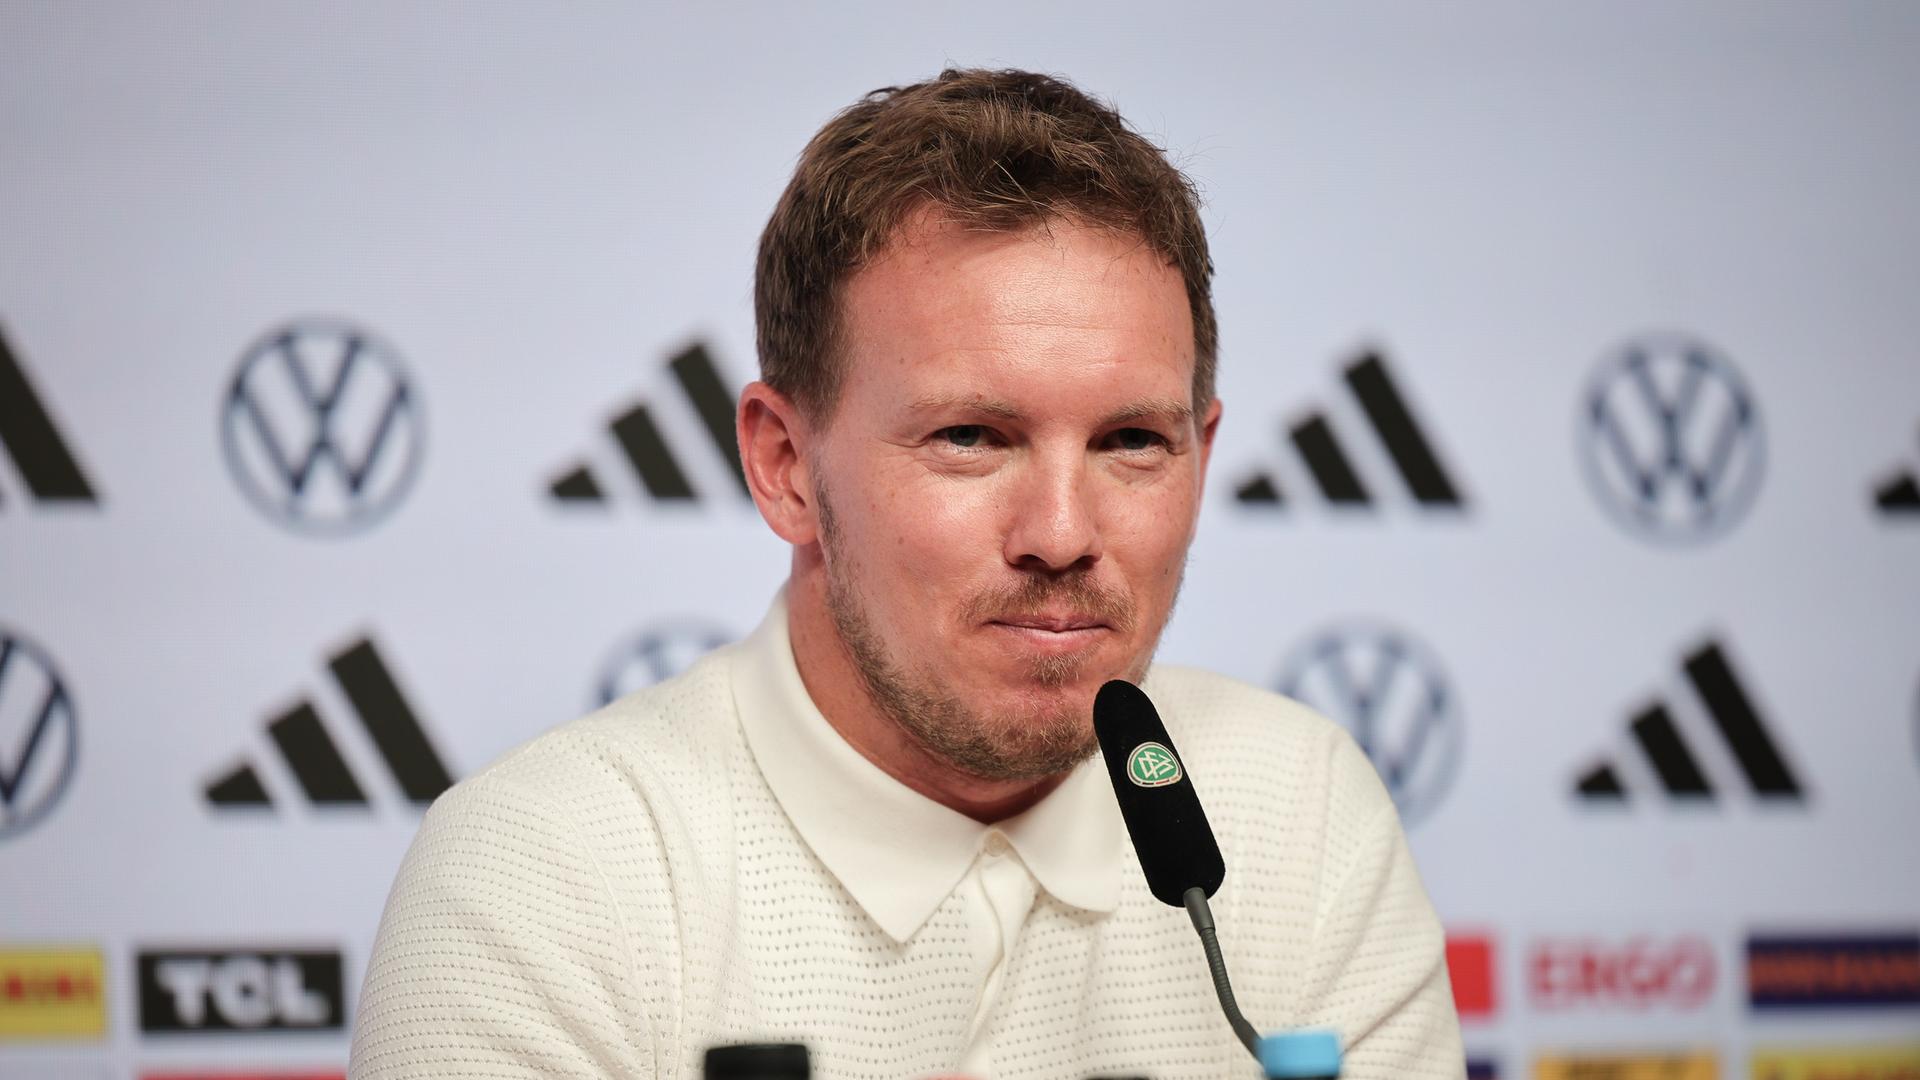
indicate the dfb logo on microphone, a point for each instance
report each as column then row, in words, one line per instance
column 1640, row 974
column 1152, row 765
column 240, row 990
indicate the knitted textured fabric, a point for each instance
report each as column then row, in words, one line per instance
column 620, row 894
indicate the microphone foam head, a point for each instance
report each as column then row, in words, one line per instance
column 1169, row 829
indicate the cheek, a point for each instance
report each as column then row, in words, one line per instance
column 931, row 536
column 1154, row 531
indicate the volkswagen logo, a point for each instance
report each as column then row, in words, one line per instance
column 321, row 427
column 1671, row 439
column 39, row 736
column 655, row 655
column 1392, row 696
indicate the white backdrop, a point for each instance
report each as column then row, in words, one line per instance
column 528, row 211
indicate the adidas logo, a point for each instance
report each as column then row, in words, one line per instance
column 1676, row 769
column 314, row 758
column 1331, row 467
column 39, row 454
column 1899, row 495
column 644, row 446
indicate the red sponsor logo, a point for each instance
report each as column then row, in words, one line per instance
column 1470, row 964
column 1640, row 973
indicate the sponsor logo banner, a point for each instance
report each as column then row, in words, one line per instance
column 1470, row 965
column 647, row 451
column 52, row 994
column 1641, row 973
column 1835, row 971
column 1328, row 462
column 1897, row 494
column 322, row 427
column 185, row 990
column 1674, row 763
column 39, row 734
column 32, row 441
column 1628, row 1067
column 1859, row 1063
column 314, row 758
column 1671, row 439
column 1391, row 693
column 656, row 654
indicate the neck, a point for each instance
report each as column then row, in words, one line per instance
column 834, row 683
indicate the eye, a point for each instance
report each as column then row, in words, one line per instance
column 963, row 435
column 1136, row 439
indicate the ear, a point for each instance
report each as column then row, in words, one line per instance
column 773, row 436
column 1209, row 426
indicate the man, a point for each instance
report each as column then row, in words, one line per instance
column 987, row 346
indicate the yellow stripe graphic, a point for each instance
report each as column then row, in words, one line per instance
column 52, row 994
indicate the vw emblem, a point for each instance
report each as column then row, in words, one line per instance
column 1671, row 439
column 1392, row 696
column 322, row 427
column 39, row 736
column 655, row 655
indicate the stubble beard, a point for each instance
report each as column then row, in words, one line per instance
column 1044, row 736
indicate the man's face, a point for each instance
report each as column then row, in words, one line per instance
column 1008, row 482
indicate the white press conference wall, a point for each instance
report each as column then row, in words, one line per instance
column 1569, row 456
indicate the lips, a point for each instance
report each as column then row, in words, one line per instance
column 1058, row 624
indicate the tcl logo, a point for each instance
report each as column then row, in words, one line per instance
column 240, row 991
column 1641, row 973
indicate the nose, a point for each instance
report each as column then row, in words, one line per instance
column 1055, row 527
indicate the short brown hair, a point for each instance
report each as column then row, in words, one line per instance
column 1001, row 150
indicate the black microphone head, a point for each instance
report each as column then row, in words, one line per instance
column 1162, row 811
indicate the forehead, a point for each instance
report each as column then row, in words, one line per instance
column 949, row 309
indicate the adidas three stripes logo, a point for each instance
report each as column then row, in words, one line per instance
column 45, row 463
column 1675, row 765
column 1330, row 464
column 644, row 446
column 1899, row 493
column 314, row 758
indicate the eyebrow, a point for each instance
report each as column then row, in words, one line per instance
column 975, row 403
column 1175, row 413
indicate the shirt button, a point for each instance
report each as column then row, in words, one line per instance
column 996, row 844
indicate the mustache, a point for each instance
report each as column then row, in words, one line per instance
column 1076, row 592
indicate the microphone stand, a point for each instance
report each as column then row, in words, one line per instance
column 1202, row 916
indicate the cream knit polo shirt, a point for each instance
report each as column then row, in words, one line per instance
column 707, row 862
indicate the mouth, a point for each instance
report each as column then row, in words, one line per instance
column 1053, row 624
column 1052, row 634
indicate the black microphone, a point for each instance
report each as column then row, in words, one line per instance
column 1170, row 831
column 1178, row 854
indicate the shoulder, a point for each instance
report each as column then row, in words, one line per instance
column 637, row 761
column 684, row 725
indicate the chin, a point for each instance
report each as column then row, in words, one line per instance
column 1053, row 702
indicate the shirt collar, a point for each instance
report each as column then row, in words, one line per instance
column 899, row 853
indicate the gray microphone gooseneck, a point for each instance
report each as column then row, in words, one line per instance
column 1202, row 917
